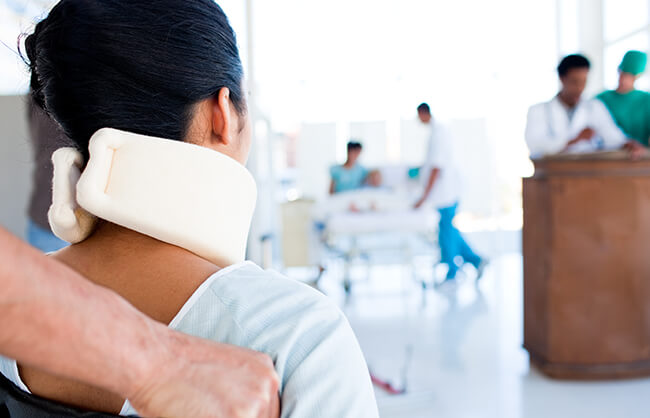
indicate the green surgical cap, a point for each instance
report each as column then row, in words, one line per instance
column 634, row 62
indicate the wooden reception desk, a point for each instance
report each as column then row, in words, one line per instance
column 586, row 246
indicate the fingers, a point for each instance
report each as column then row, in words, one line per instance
column 274, row 410
column 635, row 150
column 207, row 379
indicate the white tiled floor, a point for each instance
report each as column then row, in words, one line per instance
column 467, row 359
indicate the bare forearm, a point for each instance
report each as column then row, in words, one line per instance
column 55, row 320
column 433, row 176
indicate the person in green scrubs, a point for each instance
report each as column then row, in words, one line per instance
column 629, row 107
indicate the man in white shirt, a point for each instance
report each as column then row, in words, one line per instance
column 567, row 123
column 442, row 189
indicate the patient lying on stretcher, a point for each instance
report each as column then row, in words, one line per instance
column 386, row 189
column 367, row 198
column 371, row 210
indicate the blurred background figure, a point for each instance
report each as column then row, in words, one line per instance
column 630, row 107
column 441, row 179
column 45, row 136
column 569, row 123
column 351, row 175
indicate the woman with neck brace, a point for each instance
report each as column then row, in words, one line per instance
column 157, row 202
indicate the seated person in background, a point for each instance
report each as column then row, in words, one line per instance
column 629, row 107
column 351, row 175
column 568, row 123
column 158, row 208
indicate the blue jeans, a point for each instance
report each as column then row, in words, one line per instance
column 43, row 239
column 452, row 244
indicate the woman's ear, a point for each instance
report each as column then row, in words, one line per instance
column 216, row 125
column 222, row 117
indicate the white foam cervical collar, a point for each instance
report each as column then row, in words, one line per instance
column 179, row 193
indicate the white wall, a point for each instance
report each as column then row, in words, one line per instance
column 15, row 164
column 316, row 152
column 413, row 142
column 476, row 157
column 590, row 32
column 373, row 137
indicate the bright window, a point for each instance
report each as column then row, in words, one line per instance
column 623, row 17
column 626, row 27
column 614, row 55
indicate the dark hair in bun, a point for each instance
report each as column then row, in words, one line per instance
column 134, row 65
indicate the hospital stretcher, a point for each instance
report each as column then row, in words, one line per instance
column 355, row 225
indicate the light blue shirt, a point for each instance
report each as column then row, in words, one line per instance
column 348, row 179
column 322, row 371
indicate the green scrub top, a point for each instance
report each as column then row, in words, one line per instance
column 631, row 112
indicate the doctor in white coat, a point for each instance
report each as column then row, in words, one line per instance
column 568, row 123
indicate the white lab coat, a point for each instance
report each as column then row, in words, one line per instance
column 549, row 129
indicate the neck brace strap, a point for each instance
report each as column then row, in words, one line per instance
column 183, row 194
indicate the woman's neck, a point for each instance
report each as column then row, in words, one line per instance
column 154, row 276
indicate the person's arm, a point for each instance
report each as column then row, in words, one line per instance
column 433, row 176
column 333, row 179
column 53, row 319
column 321, row 365
column 365, row 173
column 540, row 140
column 330, row 355
column 613, row 137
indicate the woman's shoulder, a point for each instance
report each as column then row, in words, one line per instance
column 253, row 302
column 248, row 280
column 321, row 367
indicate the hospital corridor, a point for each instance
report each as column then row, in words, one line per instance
column 325, row 209
column 461, row 355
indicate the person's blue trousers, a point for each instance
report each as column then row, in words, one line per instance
column 452, row 244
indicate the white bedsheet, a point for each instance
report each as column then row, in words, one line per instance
column 402, row 221
column 373, row 210
column 364, row 200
